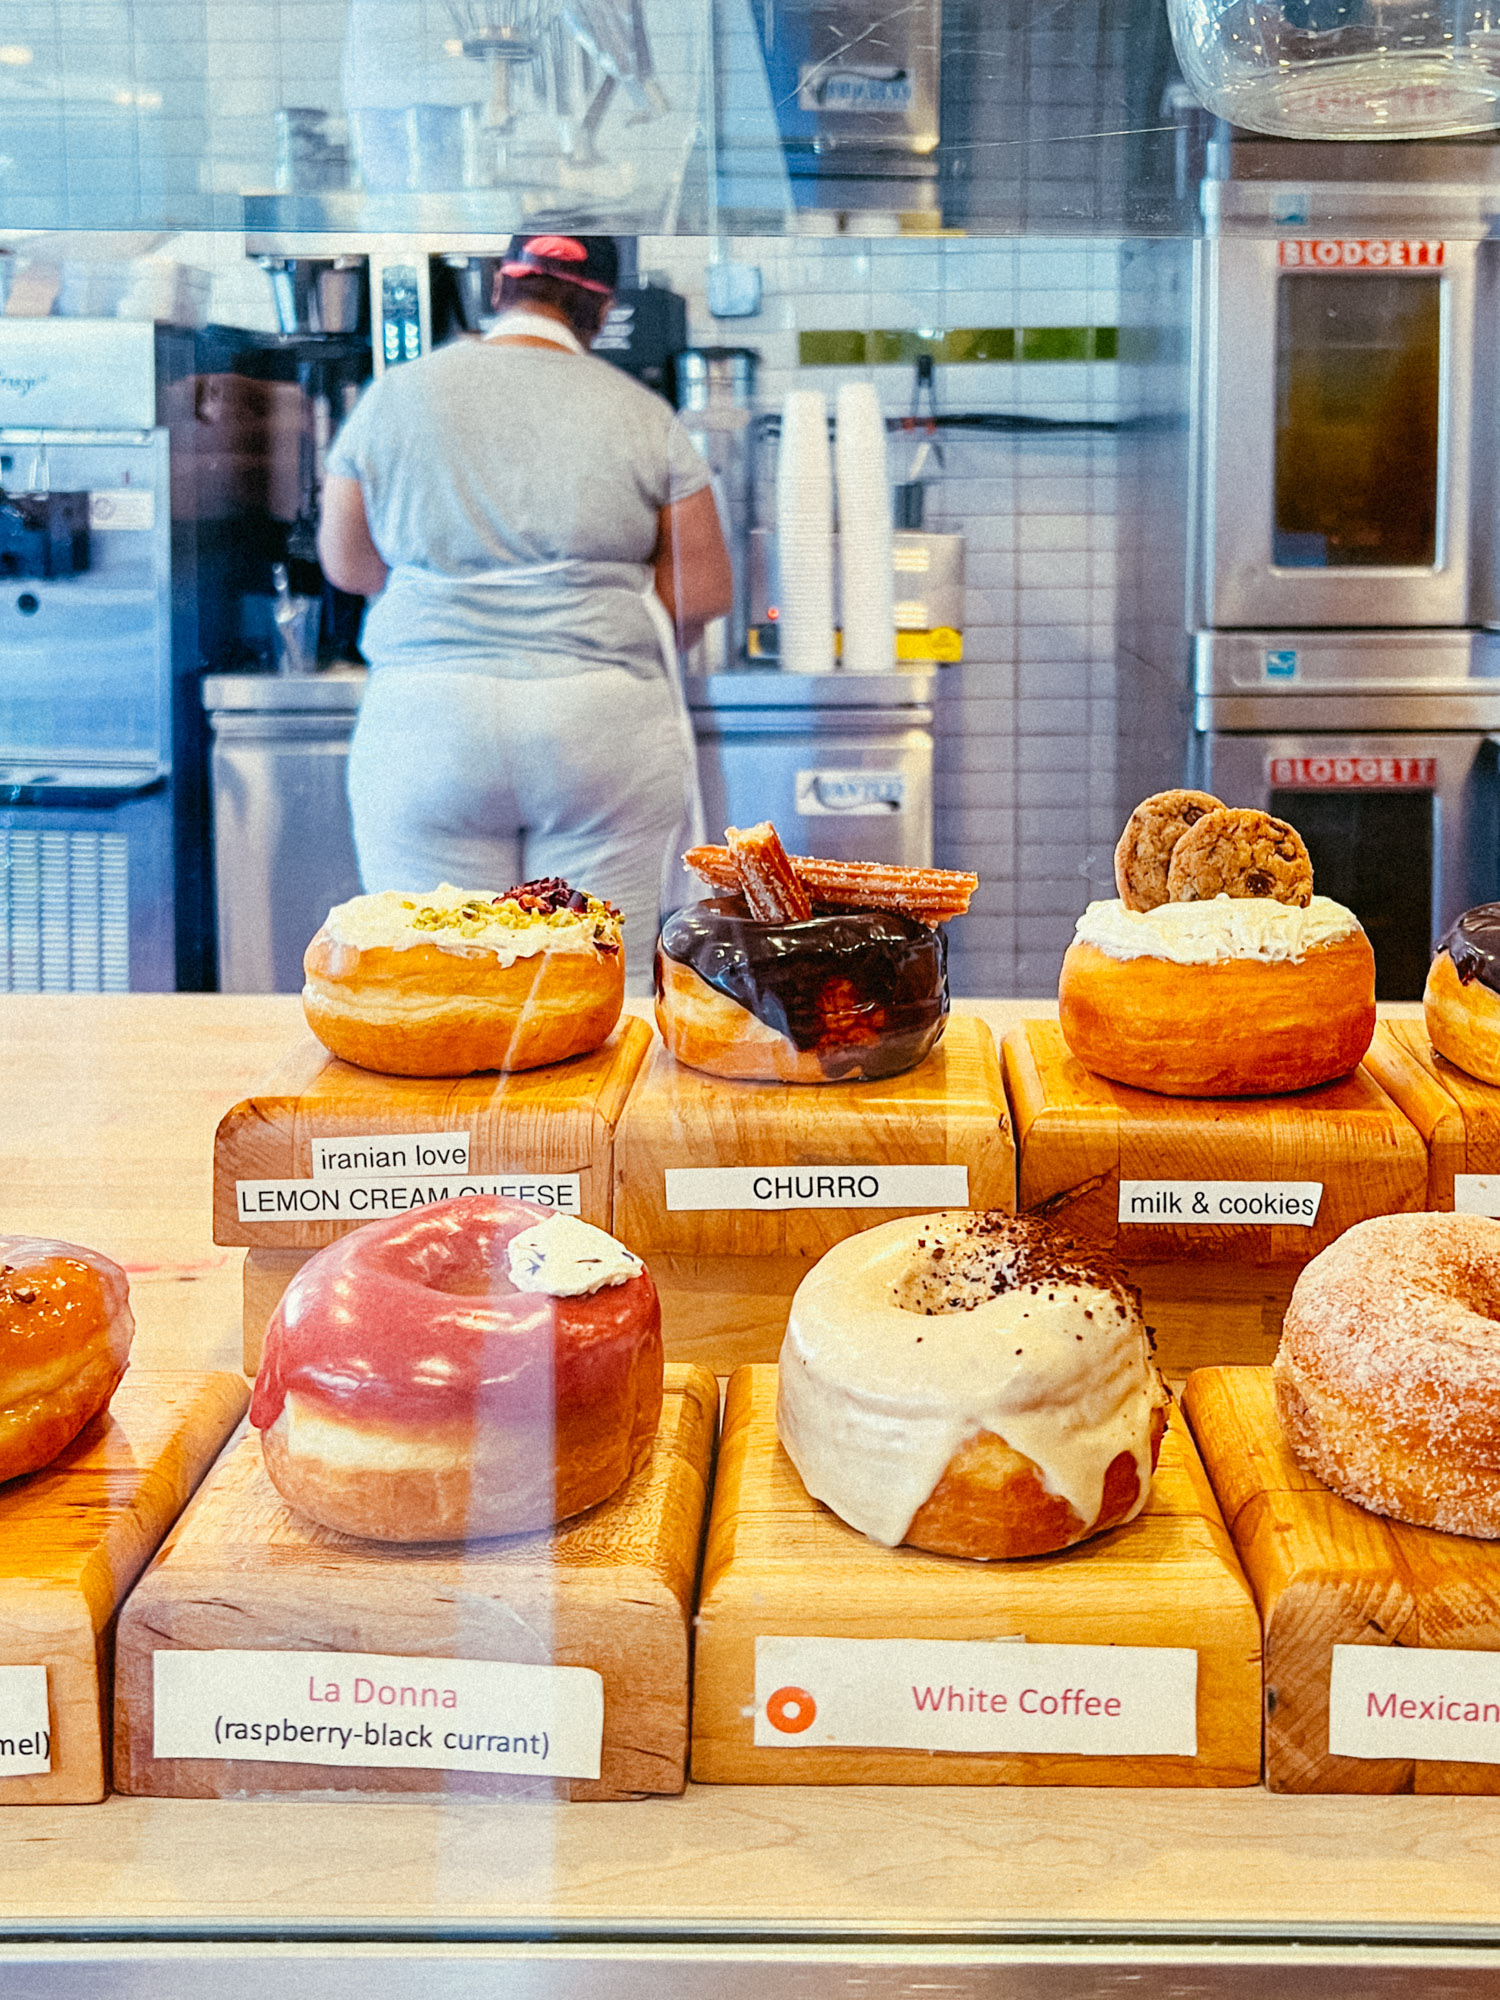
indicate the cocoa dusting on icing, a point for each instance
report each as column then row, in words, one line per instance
column 1473, row 943
column 865, row 990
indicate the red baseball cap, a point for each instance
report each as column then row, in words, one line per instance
column 590, row 262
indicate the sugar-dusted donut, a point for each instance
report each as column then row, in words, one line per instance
column 1462, row 998
column 973, row 1383
column 1233, row 997
column 65, row 1333
column 475, row 1368
column 458, row 980
column 1388, row 1373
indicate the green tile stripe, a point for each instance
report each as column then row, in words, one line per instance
column 849, row 348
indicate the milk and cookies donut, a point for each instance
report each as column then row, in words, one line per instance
column 1461, row 1001
column 972, row 1383
column 1388, row 1373
column 457, row 980
column 1143, row 853
column 475, row 1368
column 65, row 1334
column 1235, row 852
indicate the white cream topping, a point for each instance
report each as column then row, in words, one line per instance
column 387, row 922
column 568, row 1259
column 875, row 1400
column 358, row 1447
column 1223, row 927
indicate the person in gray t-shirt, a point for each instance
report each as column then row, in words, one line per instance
column 521, row 512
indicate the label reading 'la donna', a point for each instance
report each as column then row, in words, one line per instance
column 25, row 1730
column 379, row 1710
column 976, row 1696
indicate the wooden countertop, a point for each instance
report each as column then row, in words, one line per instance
column 106, row 1128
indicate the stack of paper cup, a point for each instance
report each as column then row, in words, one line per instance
column 866, row 585
column 804, row 532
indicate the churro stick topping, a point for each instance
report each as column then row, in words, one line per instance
column 931, row 895
column 764, row 875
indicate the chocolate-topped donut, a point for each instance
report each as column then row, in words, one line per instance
column 1462, row 998
column 1473, row 943
column 857, row 993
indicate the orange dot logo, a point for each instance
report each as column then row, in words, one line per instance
column 791, row 1710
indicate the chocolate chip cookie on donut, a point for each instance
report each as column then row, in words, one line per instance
column 972, row 1383
column 1388, row 1373
column 1240, row 983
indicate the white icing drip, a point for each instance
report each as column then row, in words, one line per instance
column 384, row 922
column 874, row 1400
column 568, row 1259
column 1223, row 927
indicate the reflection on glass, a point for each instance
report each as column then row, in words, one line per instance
column 1357, row 421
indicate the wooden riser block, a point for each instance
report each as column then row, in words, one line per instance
column 948, row 1111
column 557, row 1120
column 612, row 1590
column 1079, row 1136
column 779, row 1563
column 266, row 1276
column 1457, row 1115
column 1213, row 1315
column 1327, row 1573
column 73, row 1539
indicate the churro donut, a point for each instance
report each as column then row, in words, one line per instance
column 858, row 993
column 1237, row 997
column 1386, row 1376
column 1235, row 852
column 973, row 1383
column 477, row 1368
column 65, row 1333
column 1461, row 1001
column 1143, row 852
column 458, row 980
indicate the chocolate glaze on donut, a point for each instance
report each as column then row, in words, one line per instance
column 863, row 989
column 1473, row 943
column 415, row 1322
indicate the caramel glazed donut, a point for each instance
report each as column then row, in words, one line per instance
column 457, row 981
column 973, row 1383
column 480, row 1368
column 1231, row 997
column 65, row 1333
column 1385, row 1376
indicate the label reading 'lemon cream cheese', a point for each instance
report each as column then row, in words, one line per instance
column 1223, row 927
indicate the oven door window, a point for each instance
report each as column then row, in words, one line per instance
column 1374, row 853
column 1358, row 395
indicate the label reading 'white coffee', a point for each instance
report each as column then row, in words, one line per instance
column 25, row 1734
column 1221, row 1202
column 1476, row 1194
column 817, row 1187
column 952, row 1694
column 375, row 1709
column 1395, row 1701
column 389, row 1156
column 367, row 1200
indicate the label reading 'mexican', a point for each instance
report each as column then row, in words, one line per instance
column 817, row 1187
column 1398, row 1701
column 1220, row 1203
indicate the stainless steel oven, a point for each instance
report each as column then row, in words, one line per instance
column 1345, row 412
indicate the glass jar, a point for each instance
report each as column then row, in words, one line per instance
column 1344, row 69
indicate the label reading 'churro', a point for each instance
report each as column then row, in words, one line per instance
column 25, row 1730
column 846, row 1186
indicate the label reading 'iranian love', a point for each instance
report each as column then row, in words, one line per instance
column 976, row 1695
column 1295, row 1203
column 846, row 1186
column 25, row 1731
column 378, row 1709
column 1398, row 1701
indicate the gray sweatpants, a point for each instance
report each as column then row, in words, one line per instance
column 485, row 782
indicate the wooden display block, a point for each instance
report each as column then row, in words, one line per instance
column 1327, row 1573
column 1079, row 1136
column 727, row 1275
column 266, row 1275
column 73, row 1539
column 611, row 1590
column 780, row 1564
column 557, row 1120
column 1457, row 1115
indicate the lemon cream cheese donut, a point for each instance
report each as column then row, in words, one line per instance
column 457, row 980
column 1232, row 997
column 972, row 1383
